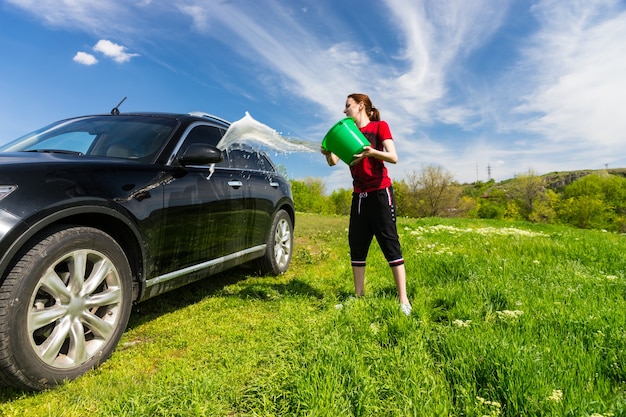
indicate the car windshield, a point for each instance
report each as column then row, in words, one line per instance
column 132, row 137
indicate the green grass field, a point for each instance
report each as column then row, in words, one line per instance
column 509, row 319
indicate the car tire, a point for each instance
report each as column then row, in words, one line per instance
column 64, row 306
column 279, row 248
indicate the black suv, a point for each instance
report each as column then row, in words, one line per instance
column 99, row 212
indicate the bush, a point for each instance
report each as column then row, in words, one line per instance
column 308, row 196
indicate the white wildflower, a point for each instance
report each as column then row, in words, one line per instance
column 495, row 411
column 509, row 314
column 438, row 249
column 487, row 402
column 556, row 396
column 461, row 323
column 503, row 231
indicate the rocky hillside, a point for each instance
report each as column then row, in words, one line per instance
column 559, row 180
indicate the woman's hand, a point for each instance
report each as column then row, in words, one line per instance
column 389, row 155
column 331, row 158
column 367, row 151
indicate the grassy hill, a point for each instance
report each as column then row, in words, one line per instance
column 558, row 180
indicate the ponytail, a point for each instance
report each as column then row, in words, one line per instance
column 372, row 112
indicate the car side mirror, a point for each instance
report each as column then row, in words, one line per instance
column 201, row 154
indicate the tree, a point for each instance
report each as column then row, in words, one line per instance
column 585, row 212
column 492, row 206
column 467, row 207
column 401, row 194
column 341, row 201
column 308, row 195
column 432, row 192
column 594, row 202
column 544, row 210
column 529, row 198
column 527, row 189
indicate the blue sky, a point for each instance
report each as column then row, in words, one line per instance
column 481, row 88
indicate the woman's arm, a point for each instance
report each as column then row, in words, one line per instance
column 388, row 155
column 331, row 158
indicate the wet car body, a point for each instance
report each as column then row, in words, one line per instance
column 173, row 210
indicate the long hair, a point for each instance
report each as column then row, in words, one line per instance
column 372, row 112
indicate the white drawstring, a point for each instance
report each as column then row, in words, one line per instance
column 361, row 195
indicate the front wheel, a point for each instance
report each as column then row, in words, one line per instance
column 64, row 307
column 279, row 245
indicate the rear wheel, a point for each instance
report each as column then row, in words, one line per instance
column 279, row 245
column 63, row 307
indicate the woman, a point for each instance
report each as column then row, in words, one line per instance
column 373, row 211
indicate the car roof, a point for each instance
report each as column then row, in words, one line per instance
column 182, row 117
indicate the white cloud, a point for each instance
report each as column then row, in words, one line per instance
column 107, row 48
column 436, row 35
column 114, row 51
column 579, row 70
column 85, row 58
column 86, row 14
column 199, row 14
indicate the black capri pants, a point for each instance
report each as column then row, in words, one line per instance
column 374, row 214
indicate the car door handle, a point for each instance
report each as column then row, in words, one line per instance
column 235, row 184
column 274, row 184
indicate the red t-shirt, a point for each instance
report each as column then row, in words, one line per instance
column 371, row 174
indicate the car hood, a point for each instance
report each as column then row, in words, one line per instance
column 16, row 168
column 17, row 158
column 46, row 181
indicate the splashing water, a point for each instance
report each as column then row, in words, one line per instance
column 250, row 131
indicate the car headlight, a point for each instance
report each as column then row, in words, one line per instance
column 5, row 190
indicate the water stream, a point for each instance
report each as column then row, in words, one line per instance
column 254, row 133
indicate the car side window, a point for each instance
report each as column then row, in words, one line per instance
column 238, row 159
column 249, row 159
column 209, row 135
column 204, row 134
column 265, row 162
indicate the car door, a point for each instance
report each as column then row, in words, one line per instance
column 203, row 214
column 261, row 192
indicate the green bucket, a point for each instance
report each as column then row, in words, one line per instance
column 345, row 140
